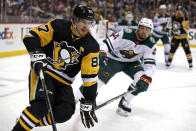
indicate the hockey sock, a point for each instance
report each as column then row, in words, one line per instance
column 26, row 121
column 189, row 58
column 166, row 51
column 170, row 57
column 45, row 121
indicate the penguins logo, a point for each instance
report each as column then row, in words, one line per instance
column 176, row 26
column 64, row 55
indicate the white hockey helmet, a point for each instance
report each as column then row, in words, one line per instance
column 129, row 16
column 146, row 22
column 162, row 7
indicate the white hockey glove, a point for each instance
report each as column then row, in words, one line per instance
column 87, row 113
column 38, row 61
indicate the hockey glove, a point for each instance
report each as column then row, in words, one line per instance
column 103, row 56
column 142, row 84
column 38, row 61
column 87, row 113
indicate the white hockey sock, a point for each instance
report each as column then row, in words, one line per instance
column 166, row 51
column 128, row 98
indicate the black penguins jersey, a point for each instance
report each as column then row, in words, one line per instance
column 66, row 53
column 180, row 26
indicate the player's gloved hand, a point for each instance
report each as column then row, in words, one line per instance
column 142, row 84
column 38, row 61
column 87, row 113
column 103, row 56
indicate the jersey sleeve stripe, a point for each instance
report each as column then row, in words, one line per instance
column 110, row 48
column 89, row 79
column 89, row 84
column 148, row 62
column 89, row 76
column 149, row 59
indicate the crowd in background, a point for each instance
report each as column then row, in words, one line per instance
column 112, row 10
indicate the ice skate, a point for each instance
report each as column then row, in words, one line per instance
column 124, row 108
column 190, row 65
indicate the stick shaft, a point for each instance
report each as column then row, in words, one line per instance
column 47, row 100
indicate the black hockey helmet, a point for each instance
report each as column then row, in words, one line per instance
column 84, row 12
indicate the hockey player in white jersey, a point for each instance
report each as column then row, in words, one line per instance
column 132, row 52
column 162, row 26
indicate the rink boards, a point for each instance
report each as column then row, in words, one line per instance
column 11, row 36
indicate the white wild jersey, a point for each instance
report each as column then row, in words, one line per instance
column 124, row 47
column 159, row 24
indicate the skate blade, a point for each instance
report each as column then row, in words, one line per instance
column 122, row 112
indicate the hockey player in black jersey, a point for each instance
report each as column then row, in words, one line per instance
column 61, row 49
column 180, row 26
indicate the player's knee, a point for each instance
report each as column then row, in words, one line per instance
column 63, row 112
column 39, row 108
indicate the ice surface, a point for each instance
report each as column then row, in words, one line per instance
column 168, row 105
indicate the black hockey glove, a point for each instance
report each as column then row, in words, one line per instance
column 38, row 61
column 87, row 113
column 142, row 84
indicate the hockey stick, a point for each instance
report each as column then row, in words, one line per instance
column 113, row 99
column 41, row 74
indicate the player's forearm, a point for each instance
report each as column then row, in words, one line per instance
column 31, row 43
column 149, row 69
column 90, row 92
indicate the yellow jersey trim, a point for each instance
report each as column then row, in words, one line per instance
column 33, row 83
column 181, row 37
column 87, row 84
column 58, row 78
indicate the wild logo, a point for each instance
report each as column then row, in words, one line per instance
column 64, row 55
column 127, row 53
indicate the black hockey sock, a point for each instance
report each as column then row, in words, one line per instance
column 18, row 127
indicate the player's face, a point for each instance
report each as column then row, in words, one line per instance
column 163, row 11
column 179, row 13
column 143, row 32
column 83, row 26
